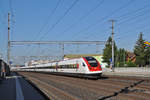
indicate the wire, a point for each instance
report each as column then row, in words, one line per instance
column 83, row 17
column 2, row 15
column 48, row 18
column 59, row 20
column 46, row 21
column 132, row 18
column 124, row 15
column 127, row 35
column 136, row 21
column 131, row 12
column 102, row 19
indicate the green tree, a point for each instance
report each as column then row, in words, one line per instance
column 121, row 57
column 131, row 64
column 140, row 51
column 107, row 52
column 148, row 55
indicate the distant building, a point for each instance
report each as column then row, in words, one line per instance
column 131, row 57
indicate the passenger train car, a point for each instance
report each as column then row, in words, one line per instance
column 80, row 67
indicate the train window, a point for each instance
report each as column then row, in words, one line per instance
column 70, row 66
column 92, row 61
column 75, row 66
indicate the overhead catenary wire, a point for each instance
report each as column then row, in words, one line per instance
column 132, row 12
column 1, row 33
column 2, row 16
column 59, row 2
column 48, row 18
column 123, row 16
column 105, row 18
column 83, row 17
column 60, row 19
column 1, row 10
column 126, row 16
column 127, row 35
column 127, row 19
column 134, row 18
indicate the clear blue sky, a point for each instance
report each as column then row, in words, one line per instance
column 85, row 20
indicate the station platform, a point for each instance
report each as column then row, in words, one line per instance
column 15, row 87
column 133, row 71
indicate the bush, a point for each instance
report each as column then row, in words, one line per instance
column 131, row 64
column 127, row 64
column 120, row 64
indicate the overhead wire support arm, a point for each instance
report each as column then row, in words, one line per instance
column 56, row 42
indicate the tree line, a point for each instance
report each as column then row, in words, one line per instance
column 123, row 58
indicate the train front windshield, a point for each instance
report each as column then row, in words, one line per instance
column 92, row 61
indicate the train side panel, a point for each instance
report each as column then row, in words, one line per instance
column 80, row 66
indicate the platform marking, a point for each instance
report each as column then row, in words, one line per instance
column 19, row 94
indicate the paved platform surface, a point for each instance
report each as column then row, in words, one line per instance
column 15, row 87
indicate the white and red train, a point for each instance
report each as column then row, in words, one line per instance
column 80, row 67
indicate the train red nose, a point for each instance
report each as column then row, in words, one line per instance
column 93, row 64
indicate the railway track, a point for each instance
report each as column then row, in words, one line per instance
column 107, row 88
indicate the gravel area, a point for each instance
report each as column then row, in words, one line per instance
column 106, row 88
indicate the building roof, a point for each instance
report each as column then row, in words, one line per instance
column 130, row 54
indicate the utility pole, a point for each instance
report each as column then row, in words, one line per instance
column 113, row 67
column 8, row 48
